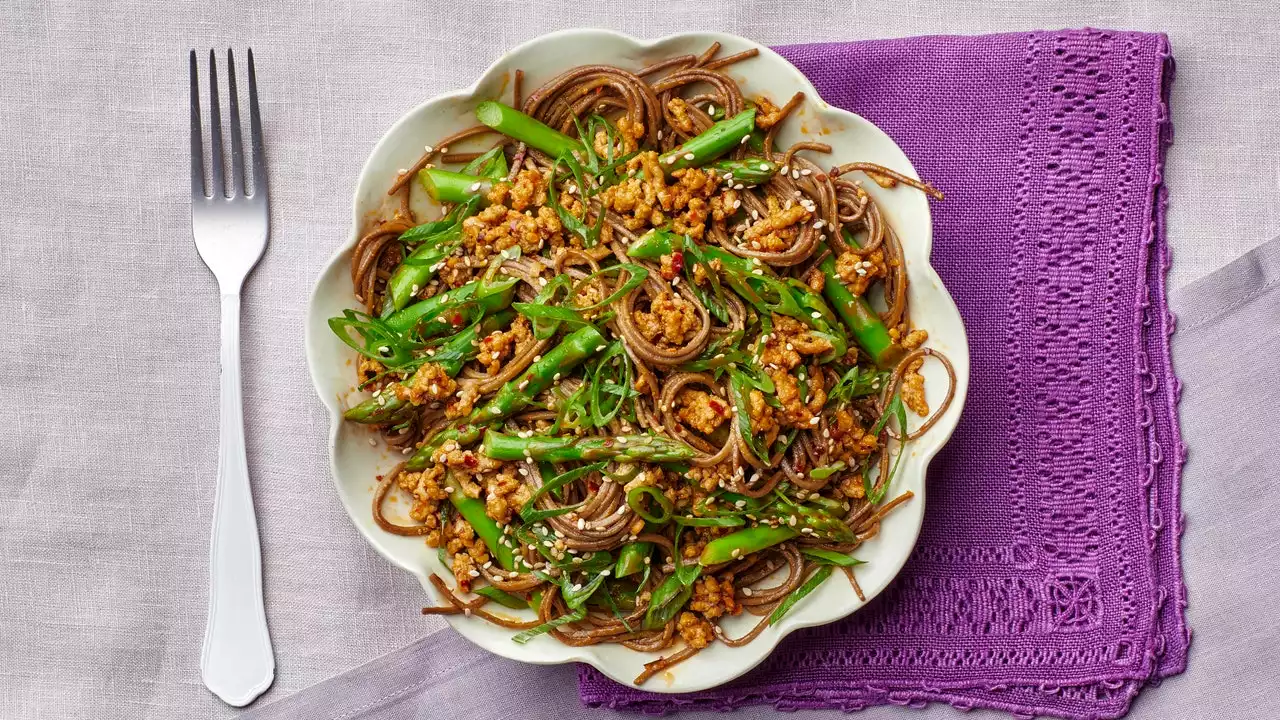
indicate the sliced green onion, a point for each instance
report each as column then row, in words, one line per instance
column 492, row 165
column 830, row 557
column 546, row 627
column 502, row 597
column 825, row 471
column 558, row 482
column 799, row 593
column 723, row 521
column 637, row 503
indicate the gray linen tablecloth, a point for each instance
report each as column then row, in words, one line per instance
column 108, row 395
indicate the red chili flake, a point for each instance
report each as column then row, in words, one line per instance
column 677, row 260
column 592, row 485
column 469, row 460
column 457, row 318
column 608, row 443
column 716, row 406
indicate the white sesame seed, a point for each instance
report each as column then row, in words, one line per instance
column 806, row 171
column 688, row 156
column 739, row 186
column 523, row 384
column 444, row 149
column 373, row 442
column 744, row 139
column 737, row 204
column 621, row 509
column 555, row 377
column 473, row 573
column 764, row 166
column 428, row 148
column 789, row 347
column 671, row 160
column 817, row 314
column 582, row 524
column 795, row 174
column 622, row 440
column 813, row 420
column 413, row 290
column 659, row 137
column 488, row 564
column 536, row 358
column 474, row 186
column 383, row 349
column 758, row 271
column 783, row 169
column 737, row 553
column 746, row 591
column 513, row 574
column 466, row 611
column 600, row 347
column 577, row 587
column 711, row 109
column 403, row 170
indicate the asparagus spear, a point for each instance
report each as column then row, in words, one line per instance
column 863, row 321
column 710, row 143
column 486, row 528
column 631, row 558
column 438, row 313
column 536, row 134
column 744, row 542
column 415, row 272
column 518, row 392
column 446, row 186
column 623, row 448
column 748, row 171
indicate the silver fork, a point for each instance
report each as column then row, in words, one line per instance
column 230, row 228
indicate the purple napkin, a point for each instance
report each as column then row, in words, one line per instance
column 1046, row 580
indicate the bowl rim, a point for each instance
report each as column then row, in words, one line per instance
column 941, row 432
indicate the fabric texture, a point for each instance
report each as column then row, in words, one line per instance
column 1046, row 580
column 108, row 399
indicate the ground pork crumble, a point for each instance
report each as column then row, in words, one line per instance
column 669, row 319
column 701, row 410
column 777, row 229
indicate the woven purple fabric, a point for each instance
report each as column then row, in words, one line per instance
column 1046, row 580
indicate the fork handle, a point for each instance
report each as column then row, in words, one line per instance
column 236, row 662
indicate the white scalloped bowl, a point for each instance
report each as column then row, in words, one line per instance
column 355, row 462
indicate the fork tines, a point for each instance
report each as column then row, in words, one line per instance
column 240, row 184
